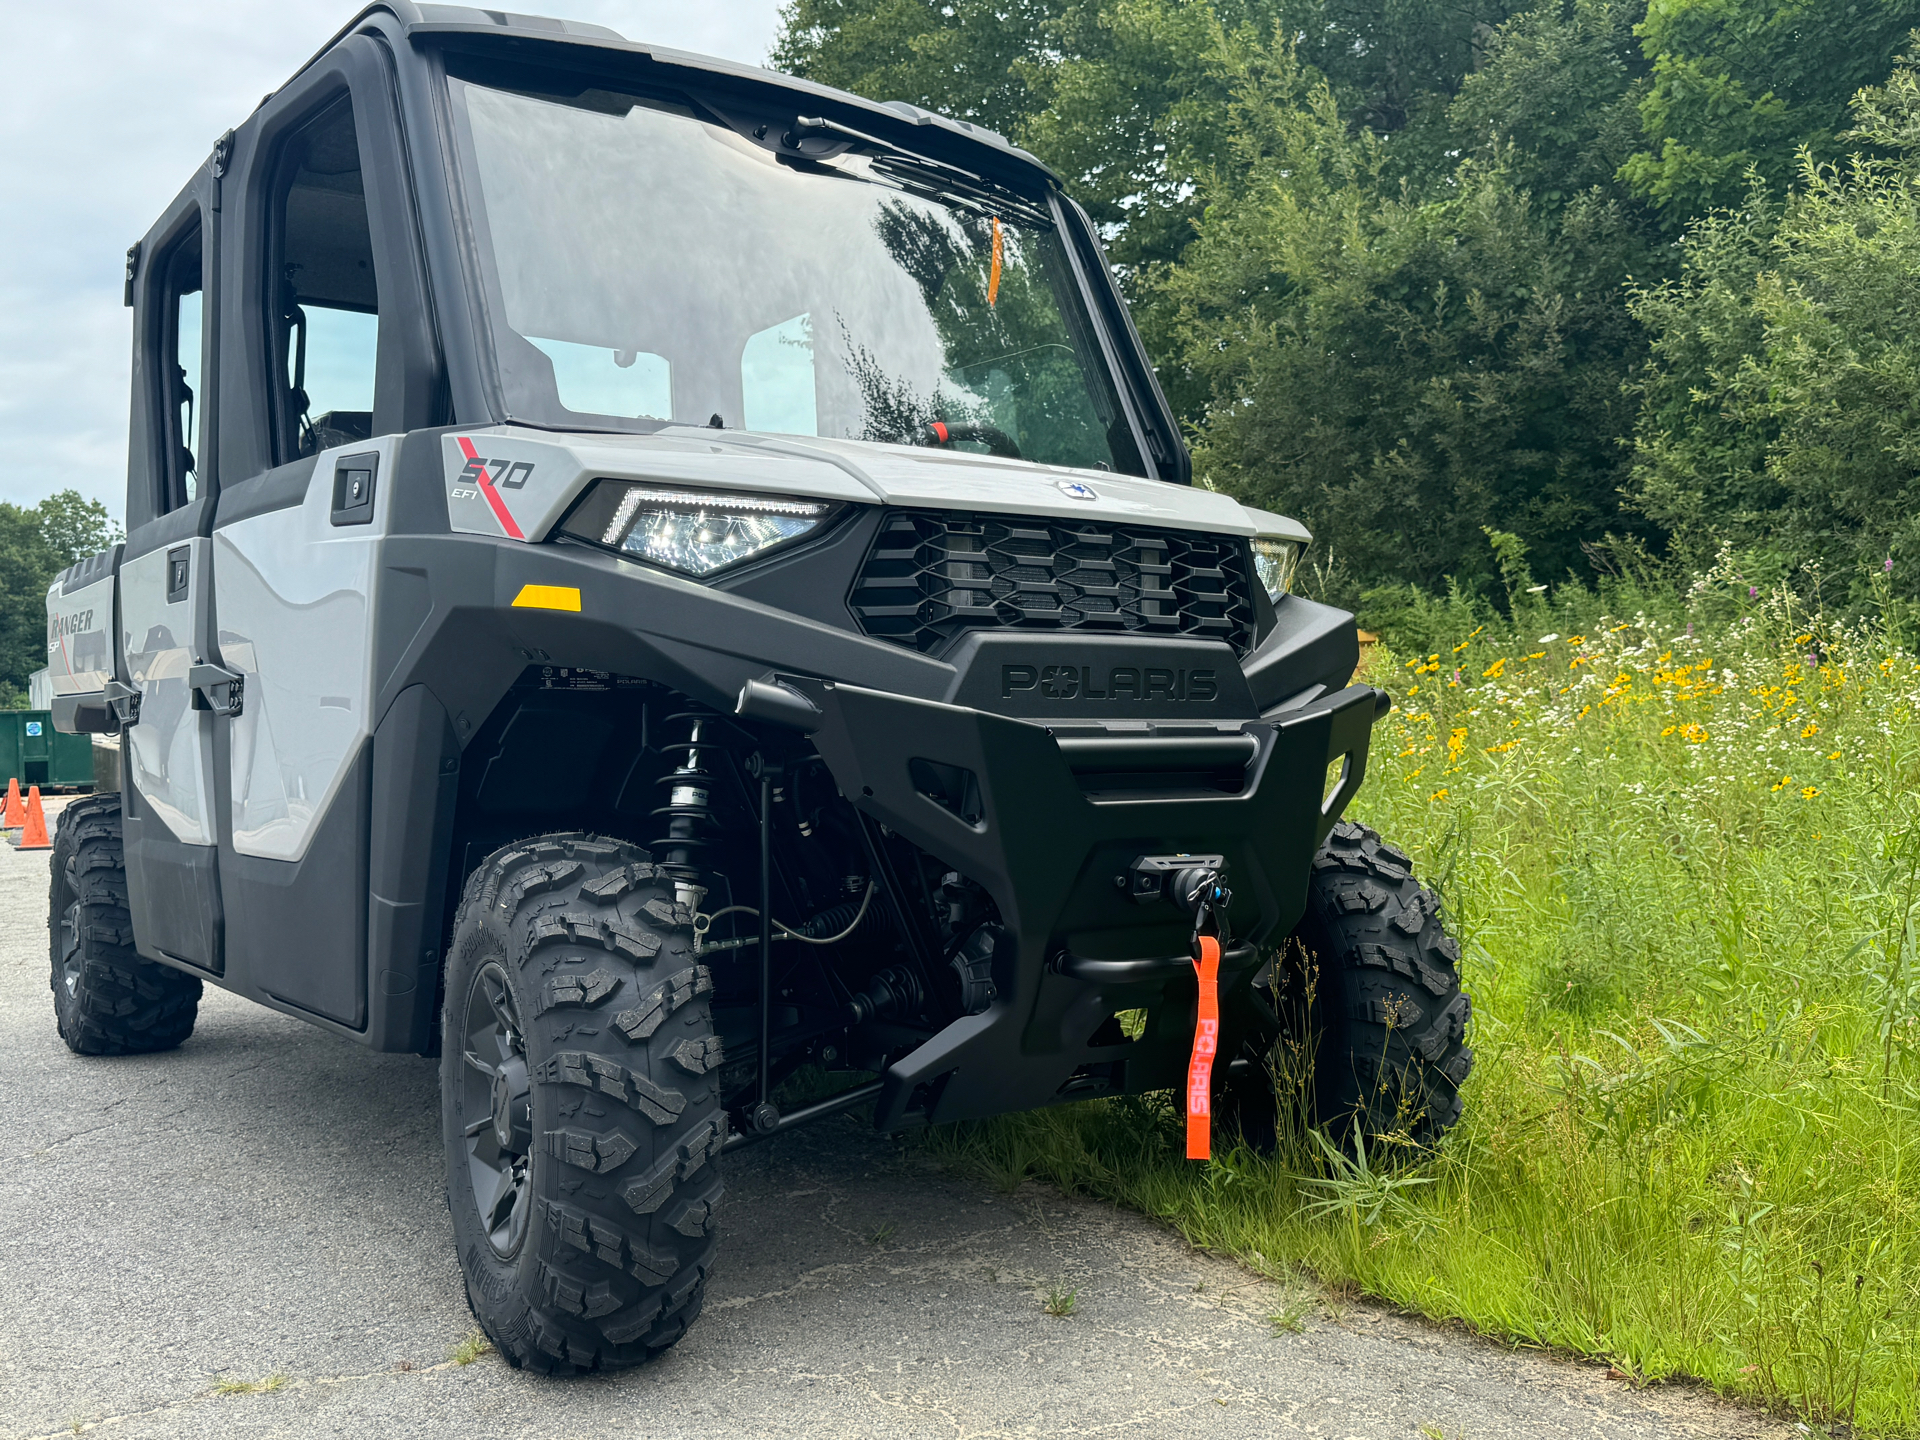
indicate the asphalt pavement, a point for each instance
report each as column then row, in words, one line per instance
column 246, row 1237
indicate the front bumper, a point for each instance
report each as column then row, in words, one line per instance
column 1060, row 816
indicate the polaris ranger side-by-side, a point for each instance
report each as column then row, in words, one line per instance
column 644, row 576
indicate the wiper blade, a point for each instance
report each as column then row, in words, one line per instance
column 820, row 124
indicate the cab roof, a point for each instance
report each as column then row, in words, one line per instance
column 564, row 43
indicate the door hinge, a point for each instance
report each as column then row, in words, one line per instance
column 216, row 688
column 222, row 158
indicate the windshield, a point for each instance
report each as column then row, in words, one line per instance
column 645, row 264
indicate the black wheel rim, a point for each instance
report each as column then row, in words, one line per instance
column 497, row 1101
column 69, row 944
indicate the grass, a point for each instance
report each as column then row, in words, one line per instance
column 1675, row 832
column 1291, row 1319
column 470, row 1348
column 233, row 1386
column 1061, row 1300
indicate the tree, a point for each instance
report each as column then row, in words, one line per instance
column 1400, row 373
column 36, row 544
column 1779, row 408
column 1557, row 98
column 1747, row 85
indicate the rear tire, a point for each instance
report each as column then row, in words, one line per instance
column 1368, row 990
column 579, row 1111
column 107, row 999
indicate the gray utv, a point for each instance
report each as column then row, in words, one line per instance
column 647, row 577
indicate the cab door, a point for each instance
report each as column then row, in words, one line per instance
column 324, row 356
column 173, row 878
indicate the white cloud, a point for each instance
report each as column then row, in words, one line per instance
column 120, row 103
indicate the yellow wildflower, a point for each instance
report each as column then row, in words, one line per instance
column 1493, row 672
column 1810, row 729
column 1808, row 793
column 1439, row 795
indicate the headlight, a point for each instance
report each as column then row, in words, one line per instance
column 1274, row 562
column 690, row 531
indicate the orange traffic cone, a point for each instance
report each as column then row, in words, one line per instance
column 15, row 815
column 34, row 837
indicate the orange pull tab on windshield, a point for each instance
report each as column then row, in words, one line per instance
column 1200, row 1066
column 994, row 266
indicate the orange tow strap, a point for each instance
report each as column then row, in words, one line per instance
column 1207, row 1039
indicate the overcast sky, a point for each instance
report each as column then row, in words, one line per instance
column 107, row 111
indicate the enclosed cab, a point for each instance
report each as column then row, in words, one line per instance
column 655, row 581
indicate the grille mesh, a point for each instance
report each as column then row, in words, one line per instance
column 933, row 574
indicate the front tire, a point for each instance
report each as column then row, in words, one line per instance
column 108, row 1000
column 1372, row 978
column 580, row 1118
column 1364, row 1024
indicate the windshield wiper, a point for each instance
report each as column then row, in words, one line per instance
column 805, row 125
column 939, row 177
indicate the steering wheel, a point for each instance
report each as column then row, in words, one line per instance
column 997, row 441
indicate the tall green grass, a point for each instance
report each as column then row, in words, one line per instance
column 1676, row 835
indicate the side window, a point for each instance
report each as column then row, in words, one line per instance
column 327, row 310
column 180, row 357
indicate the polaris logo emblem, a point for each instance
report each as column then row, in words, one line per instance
column 1121, row 682
column 1074, row 490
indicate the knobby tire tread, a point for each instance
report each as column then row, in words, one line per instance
column 626, row 1132
column 122, row 1003
column 1376, row 976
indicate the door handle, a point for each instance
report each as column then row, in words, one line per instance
column 216, row 688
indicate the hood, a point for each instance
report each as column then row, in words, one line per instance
column 517, row 482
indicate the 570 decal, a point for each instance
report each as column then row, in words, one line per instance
column 507, row 474
column 487, row 478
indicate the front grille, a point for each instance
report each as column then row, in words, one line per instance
column 933, row 574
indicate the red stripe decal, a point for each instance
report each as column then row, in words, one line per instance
column 494, row 502
column 940, row 431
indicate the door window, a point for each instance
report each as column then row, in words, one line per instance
column 327, row 319
column 180, row 354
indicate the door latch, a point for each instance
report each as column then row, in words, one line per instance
column 216, row 688
column 124, row 700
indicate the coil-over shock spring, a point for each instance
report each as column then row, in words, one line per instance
column 690, row 808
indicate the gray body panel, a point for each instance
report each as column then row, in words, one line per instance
column 169, row 754
column 80, row 642
column 296, row 599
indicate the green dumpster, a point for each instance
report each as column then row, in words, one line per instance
column 35, row 754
